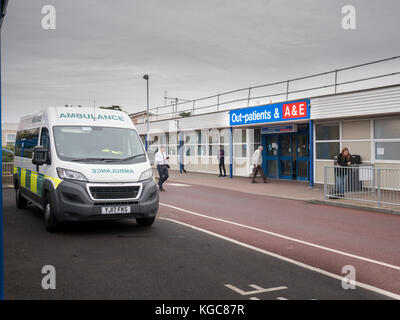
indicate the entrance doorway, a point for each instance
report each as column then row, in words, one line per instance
column 286, row 155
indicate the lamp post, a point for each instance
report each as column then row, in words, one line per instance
column 146, row 77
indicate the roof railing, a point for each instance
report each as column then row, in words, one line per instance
column 218, row 103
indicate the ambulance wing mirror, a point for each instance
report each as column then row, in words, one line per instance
column 40, row 156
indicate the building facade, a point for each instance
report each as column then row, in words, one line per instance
column 8, row 134
column 299, row 137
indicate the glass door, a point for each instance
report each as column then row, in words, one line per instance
column 302, row 153
column 285, row 156
column 271, row 151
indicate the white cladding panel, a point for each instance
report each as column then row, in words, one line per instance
column 203, row 121
column 363, row 103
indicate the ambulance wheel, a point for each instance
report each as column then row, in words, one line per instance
column 21, row 202
column 50, row 222
column 145, row 222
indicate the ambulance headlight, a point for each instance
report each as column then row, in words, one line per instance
column 148, row 174
column 70, row 175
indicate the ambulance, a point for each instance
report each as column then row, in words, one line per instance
column 80, row 164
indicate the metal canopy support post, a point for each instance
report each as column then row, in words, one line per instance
column 311, row 153
column 287, row 90
column 146, row 77
column 231, row 152
column 336, row 73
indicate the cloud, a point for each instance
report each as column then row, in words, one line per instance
column 101, row 49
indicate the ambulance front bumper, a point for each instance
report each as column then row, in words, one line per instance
column 74, row 201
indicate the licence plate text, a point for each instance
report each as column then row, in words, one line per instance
column 114, row 210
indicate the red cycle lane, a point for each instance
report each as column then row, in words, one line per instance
column 324, row 237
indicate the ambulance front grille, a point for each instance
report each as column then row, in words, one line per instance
column 114, row 192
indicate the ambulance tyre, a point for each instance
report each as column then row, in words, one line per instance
column 145, row 222
column 50, row 222
column 21, row 202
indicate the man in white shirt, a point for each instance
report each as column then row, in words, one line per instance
column 161, row 160
column 257, row 163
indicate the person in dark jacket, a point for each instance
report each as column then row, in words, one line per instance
column 343, row 160
column 221, row 161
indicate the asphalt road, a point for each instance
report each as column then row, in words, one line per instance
column 119, row 260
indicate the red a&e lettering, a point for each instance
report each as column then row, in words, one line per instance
column 295, row 110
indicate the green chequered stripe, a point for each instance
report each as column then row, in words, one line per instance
column 33, row 180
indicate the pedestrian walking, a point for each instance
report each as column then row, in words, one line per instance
column 221, row 161
column 161, row 160
column 257, row 165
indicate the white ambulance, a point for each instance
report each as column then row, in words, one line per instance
column 83, row 164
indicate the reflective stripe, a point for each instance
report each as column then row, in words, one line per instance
column 22, row 180
column 40, row 181
column 28, row 179
column 33, row 180
column 55, row 180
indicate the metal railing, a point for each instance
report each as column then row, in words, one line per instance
column 363, row 183
column 7, row 174
column 321, row 84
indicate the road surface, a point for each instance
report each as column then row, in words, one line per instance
column 188, row 254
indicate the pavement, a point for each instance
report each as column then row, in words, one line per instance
column 207, row 243
column 293, row 190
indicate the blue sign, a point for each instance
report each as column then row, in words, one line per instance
column 284, row 111
column 279, row 129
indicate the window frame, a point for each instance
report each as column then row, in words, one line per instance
column 374, row 141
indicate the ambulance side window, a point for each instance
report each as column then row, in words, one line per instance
column 26, row 140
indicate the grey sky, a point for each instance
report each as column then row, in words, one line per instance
column 101, row 49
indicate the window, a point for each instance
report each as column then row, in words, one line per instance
column 25, row 141
column 239, row 143
column 387, row 129
column 143, row 138
column 201, row 142
column 239, row 150
column 190, row 141
column 217, row 138
column 327, row 150
column 172, row 144
column 256, row 139
column 98, row 144
column 327, row 131
column 10, row 139
column 156, row 141
column 387, row 139
column 387, row 150
column 327, row 138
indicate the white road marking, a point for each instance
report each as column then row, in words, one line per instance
column 254, row 298
column 388, row 265
column 177, row 184
column 281, row 298
column 257, row 291
column 300, row 264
